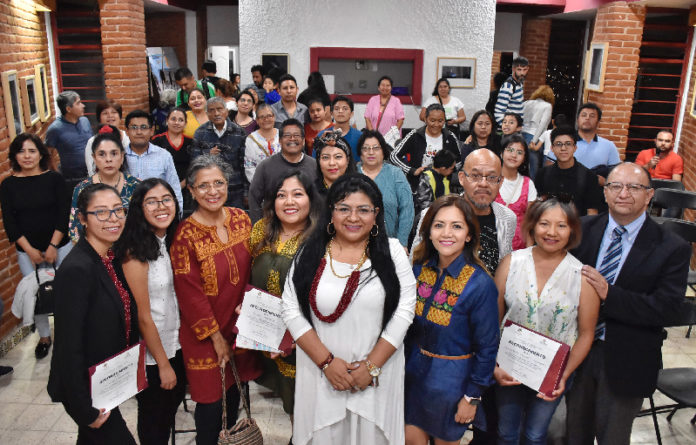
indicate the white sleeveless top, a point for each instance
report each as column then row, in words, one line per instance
column 554, row 312
column 163, row 304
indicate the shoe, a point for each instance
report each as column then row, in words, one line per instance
column 42, row 349
column 5, row 370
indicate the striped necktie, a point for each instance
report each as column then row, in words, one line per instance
column 608, row 269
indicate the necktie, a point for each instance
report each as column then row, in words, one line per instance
column 609, row 268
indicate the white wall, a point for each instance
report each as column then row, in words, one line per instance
column 448, row 28
column 508, row 31
column 223, row 25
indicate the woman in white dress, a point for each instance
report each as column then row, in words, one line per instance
column 542, row 288
column 348, row 302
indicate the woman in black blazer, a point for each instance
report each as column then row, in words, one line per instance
column 95, row 316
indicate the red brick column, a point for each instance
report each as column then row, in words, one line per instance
column 620, row 25
column 495, row 66
column 125, row 57
column 534, row 45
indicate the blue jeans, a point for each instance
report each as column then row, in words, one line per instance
column 522, row 416
column 534, row 156
column 27, row 267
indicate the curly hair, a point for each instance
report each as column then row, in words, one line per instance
column 545, row 93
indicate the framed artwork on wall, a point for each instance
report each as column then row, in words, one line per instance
column 460, row 71
column 29, row 100
column 13, row 103
column 43, row 99
column 596, row 66
column 270, row 61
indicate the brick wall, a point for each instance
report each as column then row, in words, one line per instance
column 495, row 66
column 167, row 29
column 534, row 45
column 24, row 44
column 621, row 25
column 125, row 57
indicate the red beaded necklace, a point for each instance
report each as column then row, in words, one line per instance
column 348, row 292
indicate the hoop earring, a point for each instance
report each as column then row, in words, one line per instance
column 330, row 229
column 376, row 232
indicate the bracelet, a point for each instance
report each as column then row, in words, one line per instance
column 325, row 364
column 51, row 244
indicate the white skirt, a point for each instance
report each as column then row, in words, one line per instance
column 352, row 430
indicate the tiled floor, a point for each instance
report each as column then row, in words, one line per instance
column 28, row 417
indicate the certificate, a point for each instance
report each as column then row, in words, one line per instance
column 533, row 359
column 260, row 324
column 118, row 378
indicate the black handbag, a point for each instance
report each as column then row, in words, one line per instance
column 45, row 299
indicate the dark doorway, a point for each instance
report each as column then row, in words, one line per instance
column 564, row 68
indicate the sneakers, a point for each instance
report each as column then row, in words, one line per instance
column 42, row 349
column 5, row 371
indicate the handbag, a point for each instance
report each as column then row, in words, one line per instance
column 246, row 431
column 45, row 298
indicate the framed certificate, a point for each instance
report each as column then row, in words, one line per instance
column 535, row 360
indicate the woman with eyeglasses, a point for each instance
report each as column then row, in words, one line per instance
column 517, row 190
column 111, row 169
column 348, row 302
column 196, row 116
column 396, row 191
column 542, row 288
column 211, row 263
column 262, row 143
column 95, row 316
column 334, row 159
column 244, row 117
column 143, row 250
column 34, row 202
column 452, row 343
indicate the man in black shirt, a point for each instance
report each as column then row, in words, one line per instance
column 569, row 177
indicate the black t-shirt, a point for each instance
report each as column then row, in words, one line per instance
column 489, row 253
column 181, row 155
column 577, row 181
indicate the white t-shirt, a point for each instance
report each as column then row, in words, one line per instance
column 433, row 145
column 451, row 108
column 510, row 191
column 546, row 139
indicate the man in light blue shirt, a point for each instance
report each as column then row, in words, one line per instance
column 594, row 152
column 146, row 160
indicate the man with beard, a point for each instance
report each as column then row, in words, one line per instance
column 511, row 94
column 662, row 162
column 220, row 136
column 257, row 73
column 291, row 156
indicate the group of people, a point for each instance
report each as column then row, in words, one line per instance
column 397, row 267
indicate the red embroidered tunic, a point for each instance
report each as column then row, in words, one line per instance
column 209, row 279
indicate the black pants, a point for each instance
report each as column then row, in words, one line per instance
column 113, row 432
column 490, row 410
column 208, row 417
column 157, row 407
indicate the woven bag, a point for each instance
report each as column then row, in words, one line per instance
column 246, row 431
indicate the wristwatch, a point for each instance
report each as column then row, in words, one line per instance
column 473, row 401
column 374, row 372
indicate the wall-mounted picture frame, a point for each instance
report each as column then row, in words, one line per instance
column 270, row 61
column 30, row 104
column 13, row 103
column 460, row 71
column 44, row 100
column 596, row 66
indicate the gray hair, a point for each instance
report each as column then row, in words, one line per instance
column 207, row 161
column 264, row 106
column 66, row 99
column 215, row 100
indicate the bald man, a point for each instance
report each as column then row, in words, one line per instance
column 639, row 271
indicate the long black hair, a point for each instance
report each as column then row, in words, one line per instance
column 313, row 249
column 138, row 240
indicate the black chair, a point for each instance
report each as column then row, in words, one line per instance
column 673, row 199
column 686, row 230
column 679, row 384
column 666, row 184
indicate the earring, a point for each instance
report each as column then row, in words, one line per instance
column 376, row 229
column 330, row 229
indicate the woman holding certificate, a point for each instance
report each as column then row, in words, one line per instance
column 144, row 251
column 289, row 214
column 452, row 343
column 348, row 302
column 95, row 316
column 211, row 263
column 542, row 288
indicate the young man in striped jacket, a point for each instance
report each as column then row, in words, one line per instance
column 511, row 95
